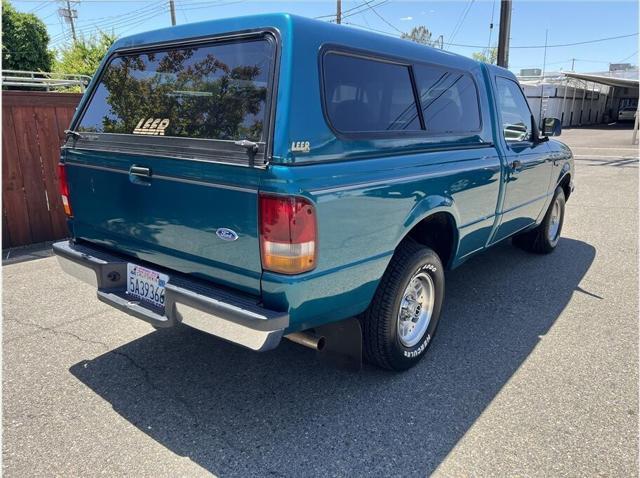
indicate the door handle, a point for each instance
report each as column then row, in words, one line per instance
column 516, row 165
column 140, row 171
column 140, row 175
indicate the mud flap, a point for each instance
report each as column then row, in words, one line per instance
column 343, row 344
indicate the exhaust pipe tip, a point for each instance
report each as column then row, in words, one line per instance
column 309, row 340
column 321, row 343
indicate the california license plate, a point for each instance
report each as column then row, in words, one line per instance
column 146, row 284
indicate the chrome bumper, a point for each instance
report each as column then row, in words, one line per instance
column 228, row 315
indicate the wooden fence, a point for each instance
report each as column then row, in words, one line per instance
column 33, row 125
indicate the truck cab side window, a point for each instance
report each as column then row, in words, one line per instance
column 364, row 95
column 514, row 111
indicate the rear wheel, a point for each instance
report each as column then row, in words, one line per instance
column 544, row 238
column 403, row 316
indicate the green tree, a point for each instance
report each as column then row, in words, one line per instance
column 488, row 55
column 420, row 35
column 24, row 41
column 84, row 56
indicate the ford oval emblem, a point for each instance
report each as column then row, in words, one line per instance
column 226, row 234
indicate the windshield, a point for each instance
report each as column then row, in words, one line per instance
column 206, row 92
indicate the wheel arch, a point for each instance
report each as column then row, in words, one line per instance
column 436, row 228
column 565, row 184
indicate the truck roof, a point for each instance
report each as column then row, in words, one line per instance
column 291, row 26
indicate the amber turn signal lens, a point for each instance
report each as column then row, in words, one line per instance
column 64, row 189
column 288, row 234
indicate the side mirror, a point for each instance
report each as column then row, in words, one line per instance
column 551, row 127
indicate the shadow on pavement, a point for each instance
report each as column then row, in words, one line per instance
column 32, row 252
column 238, row 413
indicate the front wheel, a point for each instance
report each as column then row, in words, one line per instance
column 545, row 237
column 403, row 316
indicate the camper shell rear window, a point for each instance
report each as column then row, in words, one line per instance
column 218, row 91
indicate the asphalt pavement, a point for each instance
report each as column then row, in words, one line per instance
column 534, row 371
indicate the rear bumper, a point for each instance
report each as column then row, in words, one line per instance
column 231, row 316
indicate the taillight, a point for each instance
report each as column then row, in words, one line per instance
column 64, row 189
column 288, row 236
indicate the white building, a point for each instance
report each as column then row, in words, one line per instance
column 581, row 98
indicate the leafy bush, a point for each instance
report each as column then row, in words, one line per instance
column 24, row 41
column 84, row 56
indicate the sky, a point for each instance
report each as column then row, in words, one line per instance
column 460, row 22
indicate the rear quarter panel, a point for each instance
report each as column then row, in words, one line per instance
column 365, row 208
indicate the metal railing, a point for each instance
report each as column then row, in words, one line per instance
column 43, row 80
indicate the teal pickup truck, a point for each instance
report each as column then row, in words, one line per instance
column 273, row 177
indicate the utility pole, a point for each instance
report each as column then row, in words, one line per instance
column 339, row 12
column 505, row 30
column 172, row 8
column 573, row 62
column 69, row 15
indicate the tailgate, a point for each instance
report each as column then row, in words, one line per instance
column 167, row 155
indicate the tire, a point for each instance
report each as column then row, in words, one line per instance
column 545, row 237
column 389, row 338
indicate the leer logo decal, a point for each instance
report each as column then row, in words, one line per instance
column 152, row 126
column 301, row 146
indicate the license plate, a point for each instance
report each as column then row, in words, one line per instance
column 145, row 284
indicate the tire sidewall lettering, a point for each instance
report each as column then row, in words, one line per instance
column 420, row 348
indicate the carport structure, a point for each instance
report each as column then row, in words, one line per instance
column 579, row 99
column 621, row 88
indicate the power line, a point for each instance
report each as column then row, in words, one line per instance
column 463, row 45
column 217, row 4
column 39, row 7
column 371, row 7
column 140, row 22
column 184, row 14
column 559, row 45
column 114, row 20
column 95, row 1
column 135, row 17
column 629, row 57
column 461, row 19
column 350, row 11
column 118, row 21
column 493, row 9
column 365, row 6
column 122, row 15
column 332, row 15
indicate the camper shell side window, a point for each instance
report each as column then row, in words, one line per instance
column 370, row 96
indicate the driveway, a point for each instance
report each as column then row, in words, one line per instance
column 534, row 371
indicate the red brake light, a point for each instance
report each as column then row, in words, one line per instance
column 64, row 189
column 287, row 234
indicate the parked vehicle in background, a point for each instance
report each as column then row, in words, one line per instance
column 227, row 177
column 627, row 113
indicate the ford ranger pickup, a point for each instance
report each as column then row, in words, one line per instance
column 273, row 177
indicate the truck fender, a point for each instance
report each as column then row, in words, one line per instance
column 428, row 207
column 566, row 169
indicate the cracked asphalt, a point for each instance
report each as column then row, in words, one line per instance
column 534, row 371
